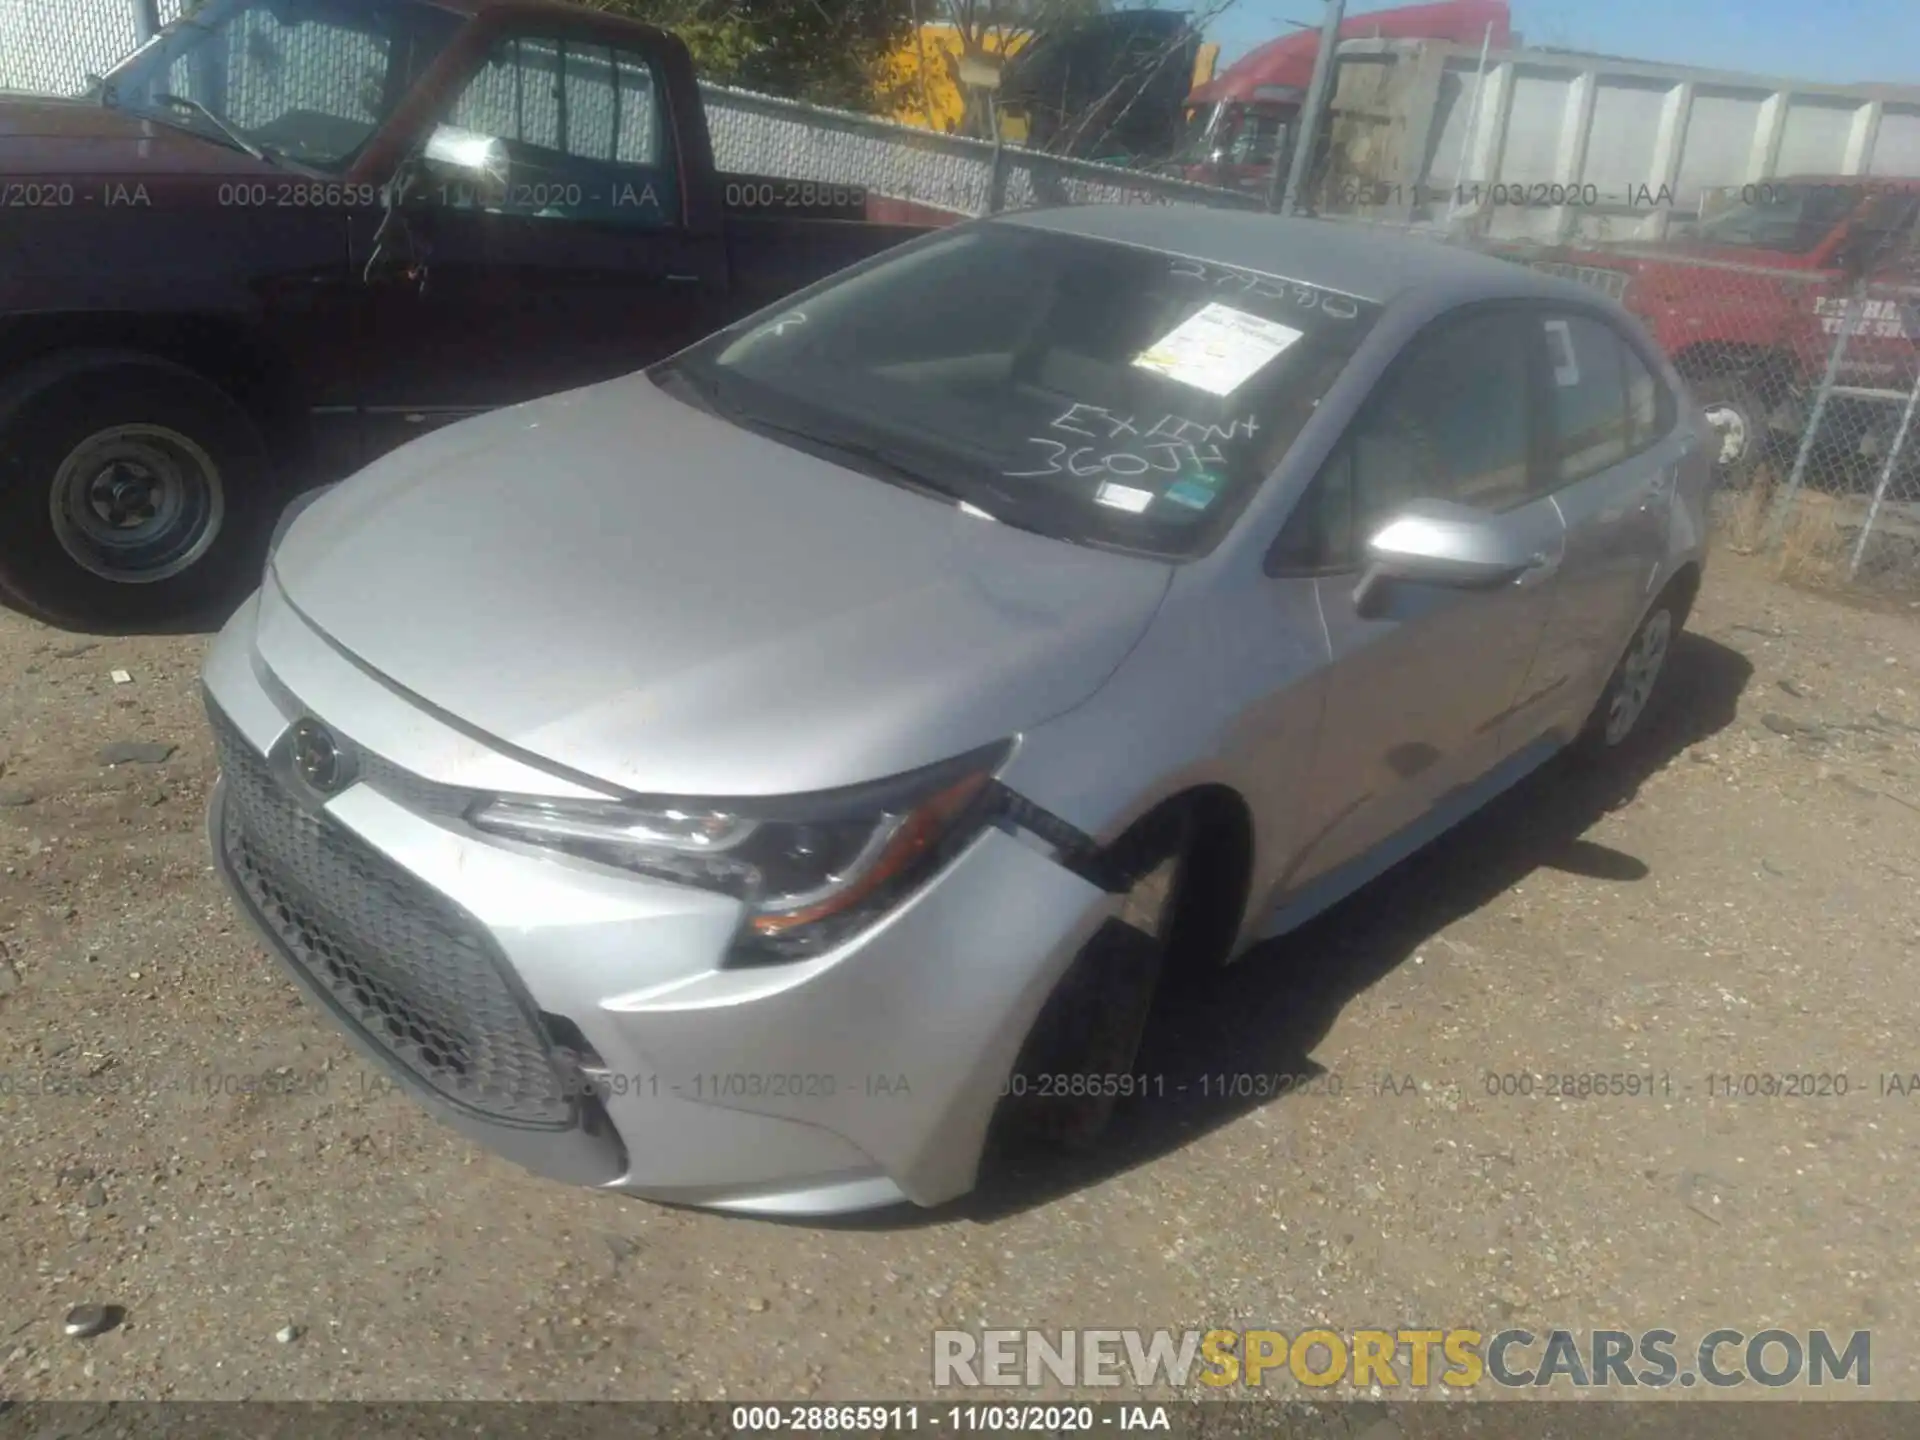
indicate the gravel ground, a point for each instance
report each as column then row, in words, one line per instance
column 1740, row 900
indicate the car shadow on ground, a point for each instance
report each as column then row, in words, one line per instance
column 1264, row 1016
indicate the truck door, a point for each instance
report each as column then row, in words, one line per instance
column 577, row 267
column 1887, row 335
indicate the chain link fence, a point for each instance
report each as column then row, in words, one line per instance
column 1808, row 372
column 52, row 48
column 49, row 49
column 1805, row 357
column 765, row 135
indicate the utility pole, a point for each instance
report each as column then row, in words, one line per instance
column 1312, row 113
column 146, row 20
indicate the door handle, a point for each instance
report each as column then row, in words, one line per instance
column 1659, row 492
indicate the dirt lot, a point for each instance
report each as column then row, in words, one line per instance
column 1743, row 900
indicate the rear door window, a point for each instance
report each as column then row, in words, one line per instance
column 1589, row 389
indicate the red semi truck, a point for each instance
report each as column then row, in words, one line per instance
column 1249, row 113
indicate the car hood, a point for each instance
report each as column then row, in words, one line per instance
column 75, row 139
column 626, row 586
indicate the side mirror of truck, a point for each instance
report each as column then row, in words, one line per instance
column 475, row 164
column 1856, row 250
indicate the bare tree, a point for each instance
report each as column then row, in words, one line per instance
column 991, row 30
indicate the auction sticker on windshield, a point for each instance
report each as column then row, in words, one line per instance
column 1124, row 497
column 1217, row 348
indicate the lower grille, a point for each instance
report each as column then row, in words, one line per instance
column 413, row 973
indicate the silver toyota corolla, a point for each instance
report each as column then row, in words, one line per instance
column 741, row 783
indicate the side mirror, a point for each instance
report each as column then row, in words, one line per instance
column 466, row 158
column 1859, row 248
column 1436, row 542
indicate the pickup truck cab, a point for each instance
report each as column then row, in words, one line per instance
column 286, row 235
column 1750, row 305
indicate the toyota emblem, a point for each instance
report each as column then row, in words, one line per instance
column 317, row 758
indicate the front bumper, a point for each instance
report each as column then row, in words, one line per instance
column 577, row 1019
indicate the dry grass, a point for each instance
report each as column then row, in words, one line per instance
column 1811, row 547
column 1742, row 516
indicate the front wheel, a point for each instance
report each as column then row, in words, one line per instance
column 1077, row 1061
column 132, row 492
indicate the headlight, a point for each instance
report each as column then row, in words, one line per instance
column 810, row 871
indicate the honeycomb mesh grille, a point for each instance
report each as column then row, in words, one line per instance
column 408, row 969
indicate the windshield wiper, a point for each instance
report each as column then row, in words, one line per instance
column 183, row 102
column 876, row 456
column 709, row 389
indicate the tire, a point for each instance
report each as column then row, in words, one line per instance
column 1093, row 1022
column 1619, row 714
column 1737, row 415
column 132, row 492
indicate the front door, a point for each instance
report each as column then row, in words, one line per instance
column 574, row 267
column 1421, row 684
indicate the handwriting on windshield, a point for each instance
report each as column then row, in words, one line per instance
column 1266, row 287
column 1123, row 447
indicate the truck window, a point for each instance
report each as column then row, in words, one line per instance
column 1789, row 218
column 1885, row 225
column 1256, row 138
column 583, row 129
column 310, row 80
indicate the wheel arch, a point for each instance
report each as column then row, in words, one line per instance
column 1215, row 824
column 1680, row 591
column 218, row 350
column 1767, row 369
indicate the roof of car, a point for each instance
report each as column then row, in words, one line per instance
column 1367, row 262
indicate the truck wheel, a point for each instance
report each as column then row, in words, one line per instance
column 132, row 491
column 1739, row 421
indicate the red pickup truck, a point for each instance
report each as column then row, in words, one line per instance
column 286, row 235
column 1751, row 304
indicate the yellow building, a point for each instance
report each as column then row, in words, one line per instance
column 921, row 77
column 921, row 74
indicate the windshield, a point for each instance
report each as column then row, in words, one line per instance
column 1241, row 136
column 307, row 80
column 1791, row 219
column 1100, row 393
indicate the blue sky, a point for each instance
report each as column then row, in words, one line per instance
column 1835, row 41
